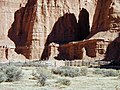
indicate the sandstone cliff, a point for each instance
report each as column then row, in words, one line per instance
column 7, row 12
column 34, row 24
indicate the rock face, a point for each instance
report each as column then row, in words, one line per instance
column 7, row 11
column 113, row 51
column 34, row 25
column 22, row 28
column 106, row 25
column 106, row 20
column 89, row 49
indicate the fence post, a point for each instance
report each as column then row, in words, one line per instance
column 98, row 63
column 66, row 63
column 82, row 63
column 55, row 64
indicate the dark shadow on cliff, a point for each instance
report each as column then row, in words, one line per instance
column 63, row 31
column 21, row 30
column 66, row 30
column 15, row 33
column 83, row 25
column 113, row 54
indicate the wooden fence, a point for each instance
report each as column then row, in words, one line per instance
column 85, row 63
column 57, row 63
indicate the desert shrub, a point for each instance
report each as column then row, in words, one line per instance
column 106, row 72
column 119, row 74
column 2, row 77
column 41, row 80
column 83, row 71
column 66, row 71
column 64, row 82
column 43, row 71
column 41, row 74
column 110, row 72
column 12, row 73
column 97, row 71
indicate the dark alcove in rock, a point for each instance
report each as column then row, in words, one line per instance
column 63, row 32
column 83, row 25
column 66, row 30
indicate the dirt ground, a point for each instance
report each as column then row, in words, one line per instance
column 89, row 82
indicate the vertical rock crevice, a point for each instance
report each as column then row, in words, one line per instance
column 83, row 25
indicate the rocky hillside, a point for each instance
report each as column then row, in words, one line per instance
column 34, row 25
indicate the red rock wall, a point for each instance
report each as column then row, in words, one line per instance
column 7, row 11
column 106, row 20
column 22, row 28
column 33, row 24
column 80, row 50
column 56, row 22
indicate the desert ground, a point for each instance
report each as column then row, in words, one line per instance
column 89, row 81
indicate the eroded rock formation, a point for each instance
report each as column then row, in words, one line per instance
column 106, row 22
column 34, row 25
column 79, row 50
column 113, row 51
column 7, row 11
column 22, row 28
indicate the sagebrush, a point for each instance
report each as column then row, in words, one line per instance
column 10, row 73
column 64, row 81
column 83, row 71
column 66, row 71
column 106, row 72
column 41, row 74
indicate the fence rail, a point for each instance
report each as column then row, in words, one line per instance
column 55, row 63
column 85, row 63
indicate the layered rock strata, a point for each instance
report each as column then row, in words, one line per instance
column 89, row 49
column 34, row 24
column 40, row 23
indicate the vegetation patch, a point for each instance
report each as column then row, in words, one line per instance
column 110, row 72
column 83, row 71
column 66, row 71
column 106, row 72
column 97, row 71
column 42, row 74
column 10, row 73
column 64, row 81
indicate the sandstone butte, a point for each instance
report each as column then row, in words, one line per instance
column 60, row 29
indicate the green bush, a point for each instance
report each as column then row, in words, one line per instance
column 41, row 80
column 12, row 73
column 41, row 74
column 110, row 72
column 106, row 72
column 119, row 74
column 64, row 82
column 66, row 71
column 2, row 77
column 97, row 71
column 83, row 71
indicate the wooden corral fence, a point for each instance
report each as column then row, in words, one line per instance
column 79, row 63
column 57, row 63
